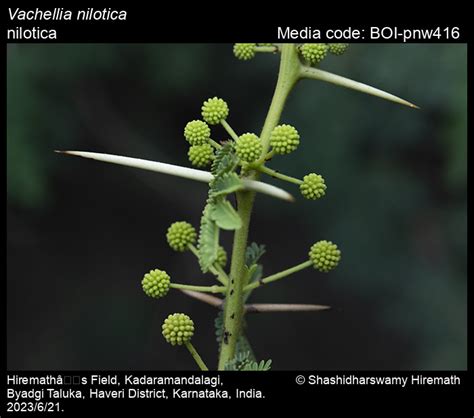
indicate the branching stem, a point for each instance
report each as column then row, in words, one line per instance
column 276, row 174
column 209, row 289
column 234, row 307
column 229, row 130
column 278, row 276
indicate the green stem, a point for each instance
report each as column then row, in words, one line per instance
column 276, row 174
column 229, row 130
column 278, row 276
column 234, row 312
column 287, row 77
column 215, row 144
column 197, row 358
column 208, row 289
column 215, row 269
column 264, row 158
column 234, row 306
column 272, row 49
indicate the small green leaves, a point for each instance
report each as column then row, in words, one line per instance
column 254, row 366
column 337, row 49
column 178, row 329
column 314, row 53
column 253, row 253
column 244, row 51
column 248, row 147
column 225, row 184
column 201, row 155
column 156, row 283
column 218, row 212
column 284, row 139
column 239, row 361
column 313, row 186
column 214, row 110
column 225, row 161
column 243, row 362
column 208, row 239
column 197, row 132
column 225, row 216
column 325, row 256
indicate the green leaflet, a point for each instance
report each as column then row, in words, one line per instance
column 225, row 160
column 238, row 362
column 243, row 346
column 253, row 366
column 243, row 362
column 254, row 271
column 253, row 253
column 219, row 213
column 225, row 216
column 208, row 239
column 225, row 184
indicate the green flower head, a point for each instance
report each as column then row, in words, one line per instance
column 284, row 139
column 337, row 49
column 248, row 147
column 178, row 329
column 244, row 51
column 325, row 256
column 314, row 53
column 180, row 235
column 201, row 155
column 221, row 256
column 156, row 283
column 313, row 186
column 214, row 110
column 197, row 132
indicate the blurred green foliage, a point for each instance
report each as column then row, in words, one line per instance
column 397, row 178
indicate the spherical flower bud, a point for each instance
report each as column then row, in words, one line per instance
column 337, row 49
column 325, row 256
column 284, row 139
column 221, row 256
column 201, row 155
column 156, row 283
column 197, row 132
column 178, row 329
column 248, row 147
column 244, row 51
column 214, row 110
column 313, row 186
column 180, row 235
column 314, row 53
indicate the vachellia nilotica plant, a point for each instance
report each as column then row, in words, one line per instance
column 236, row 166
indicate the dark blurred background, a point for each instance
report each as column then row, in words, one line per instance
column 81, row 234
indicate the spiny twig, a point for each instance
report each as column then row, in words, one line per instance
column 283, row 307
column 257, row 307
column 179, row 171
column 203, row 297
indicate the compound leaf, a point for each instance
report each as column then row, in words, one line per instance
column 208, row 239
column 225, row 216
column 225, row 184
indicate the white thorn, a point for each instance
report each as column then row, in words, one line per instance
column 176, row 170
column 317, row 74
